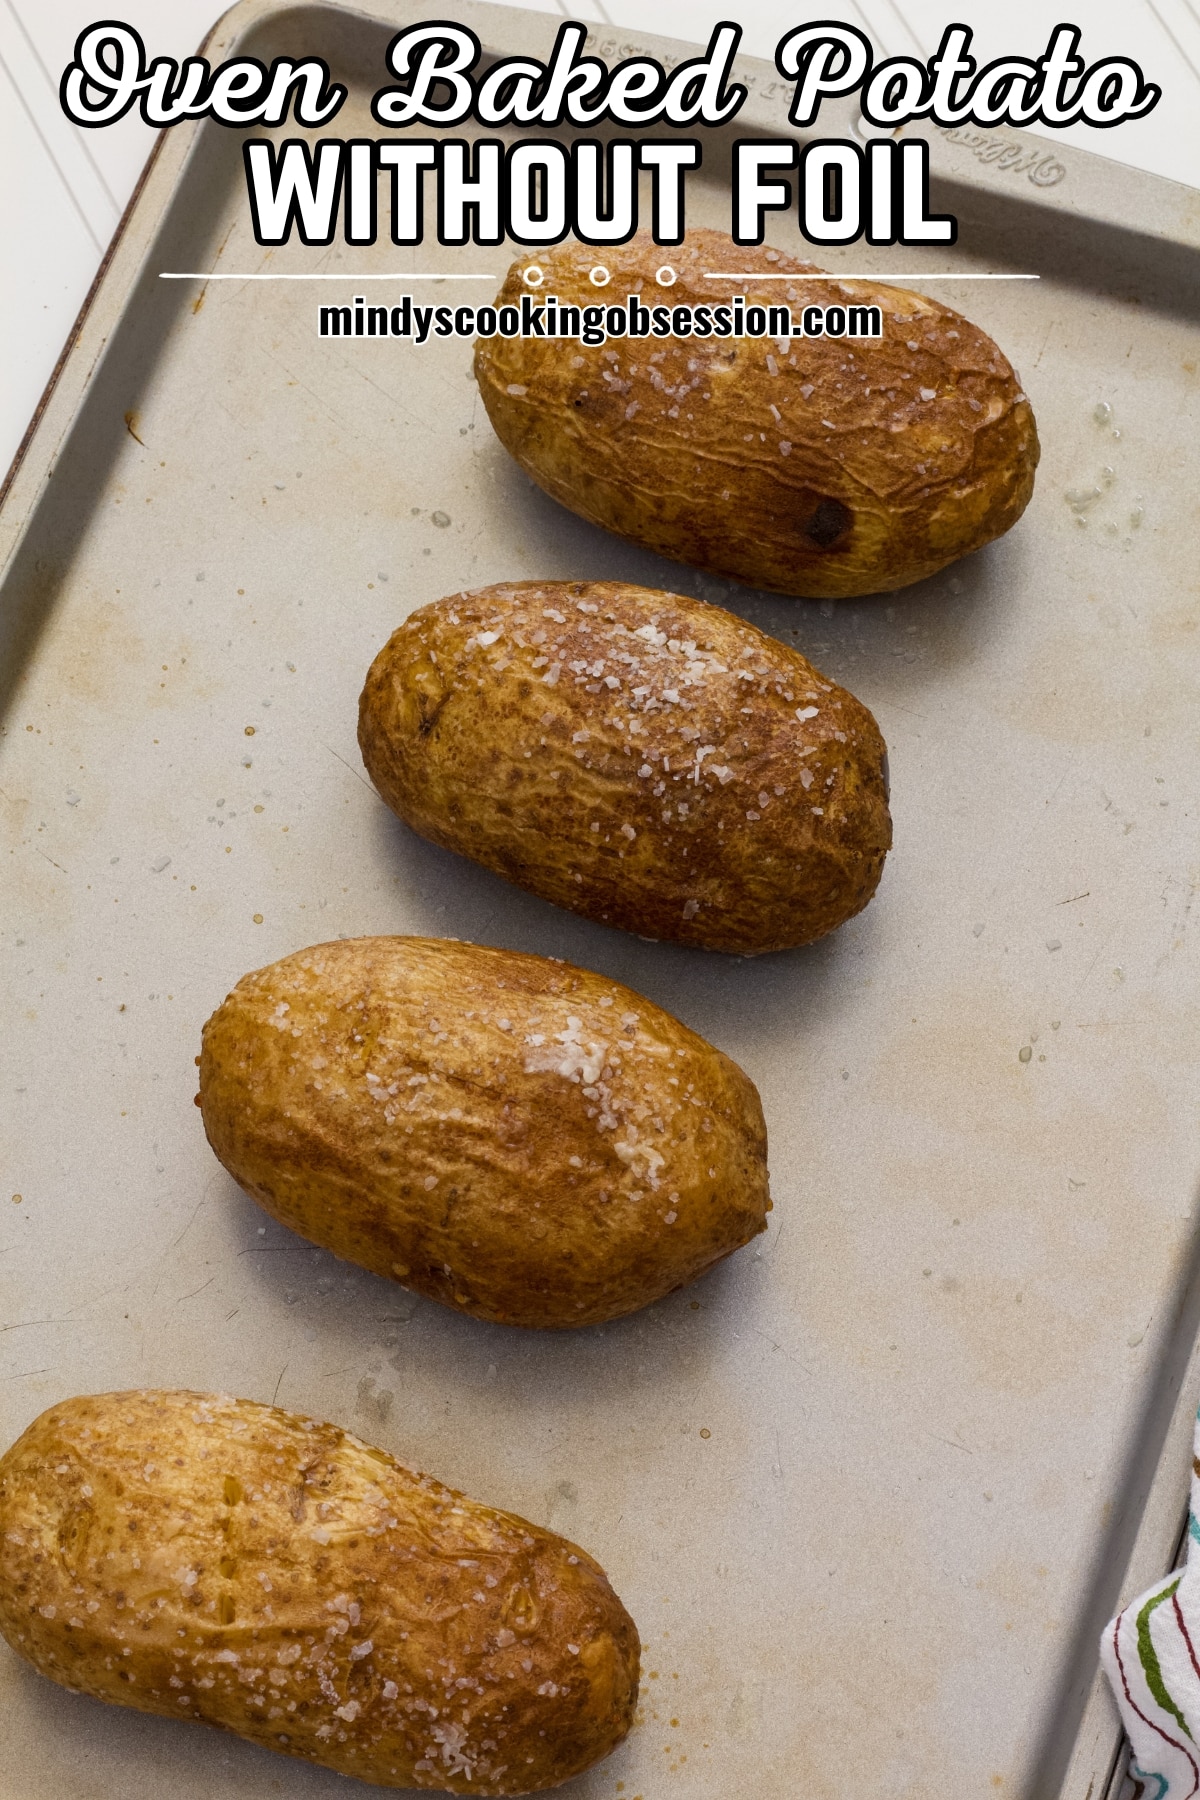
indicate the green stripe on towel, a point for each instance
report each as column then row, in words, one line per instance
column 1148, row 1655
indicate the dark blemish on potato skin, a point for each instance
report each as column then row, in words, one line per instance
column 829, row 522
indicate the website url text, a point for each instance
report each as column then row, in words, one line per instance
column 596, row 324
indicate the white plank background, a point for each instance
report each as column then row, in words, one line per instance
column 65, row 189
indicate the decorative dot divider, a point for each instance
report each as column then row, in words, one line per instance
column 534, row 275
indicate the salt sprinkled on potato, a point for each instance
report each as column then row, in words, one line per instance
column 636, row 756
column 823, row 466
column 511, row 1136
column 208, row 1558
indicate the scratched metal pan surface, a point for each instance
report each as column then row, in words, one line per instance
column 871, row 1489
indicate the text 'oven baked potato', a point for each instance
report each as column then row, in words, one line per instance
column 213, row 1559
column 514, row 1137
column 824, row 466
column 639, row 757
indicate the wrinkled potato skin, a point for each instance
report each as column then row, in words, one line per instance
column 562, row 786
column 207, row 1558
column 381, row 1097
column 881, row 486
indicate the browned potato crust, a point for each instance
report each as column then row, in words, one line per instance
column 823, row 466
column 639, row 757
column 208, row 1558
column 519, row 1139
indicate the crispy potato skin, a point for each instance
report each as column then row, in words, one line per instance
column 638, row 757
column 516, row 1138
column 214, row 1559
column 840, row 467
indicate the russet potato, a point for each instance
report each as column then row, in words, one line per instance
column 516, row 1138
column 825, row 466
column 640, row 757
column 214, row 1559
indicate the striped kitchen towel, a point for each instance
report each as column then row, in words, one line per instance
column 1151, row 1655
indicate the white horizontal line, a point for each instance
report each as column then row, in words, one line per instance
column 709, row 275
column 871, row 275
column 209, row 275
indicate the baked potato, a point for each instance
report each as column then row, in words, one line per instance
column 823, row 465
column 516, row 1138
column 639, row 757
column 213, row 1559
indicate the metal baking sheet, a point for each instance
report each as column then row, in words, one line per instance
column 871, row 1489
